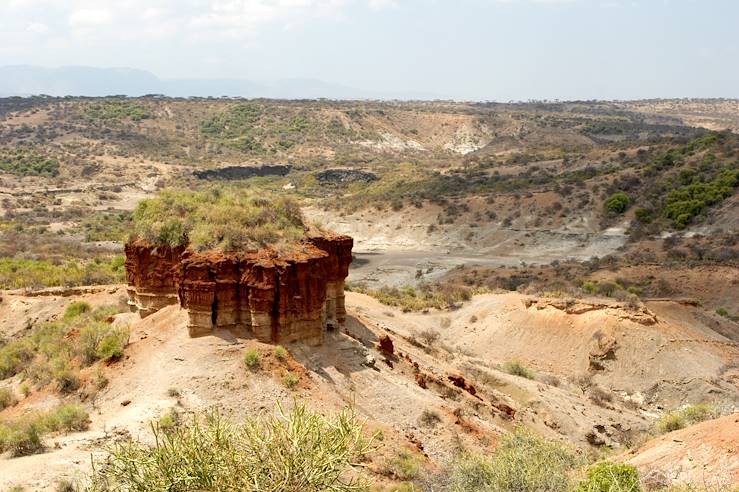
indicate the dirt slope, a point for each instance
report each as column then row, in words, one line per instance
column 706, row 453
column 457, row 377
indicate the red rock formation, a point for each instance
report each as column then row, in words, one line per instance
column 274, row 297
column 151, row 275
column 386, row 344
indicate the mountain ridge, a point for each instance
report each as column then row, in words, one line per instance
column 77, row 80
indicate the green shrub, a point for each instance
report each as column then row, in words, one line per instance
column 251, row 358
column 589, row 287
column 67, row 380
column 694, row 414
column 617, row 203
column 100, row 340
column 68, row 418
column 688, row 415
column 226, row 219
column 26, row 162
column 75, row 309
column 6, row 398
column 281, row 353
column 610, row 477
column 21, row 439
column 670, row 422
column 518, row 369
column 409, row 298
column 295, row 451
column 116, row 111
column 169, row 420
column 643, row 215
column 15, row 356
column 23, row 436
column 290, row 379
column 405, row 464
column 522, row 462
column 111, row 347
column 685, row 203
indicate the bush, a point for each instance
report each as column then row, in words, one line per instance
column 23, row 436
column 589, row 287
column 610, row 477
column 522, row 462
column 281, row 353
column 518, row 369
column 643, row 215
column 169, row 420
column 99, row 340
column 116, row 111
column 15, row 356
column 75, row 309
column 67, row 381
column 685, row 203
column 6, row 398
column 20, row 439
column 251, row 358
column 429, row 418
column 617, row 203
column 670, row 422
column 297, row 451
column 66, row 418
column 408, row 298
column 26, row 162
column 290, row 379
column 405, row 465
column 688, row 415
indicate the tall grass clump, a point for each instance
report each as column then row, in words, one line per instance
column 23, row 436
column 523, row 461
column 290, row 451
column 251, row 358
column 224, row 219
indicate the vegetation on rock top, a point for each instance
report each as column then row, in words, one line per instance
column 221, row 219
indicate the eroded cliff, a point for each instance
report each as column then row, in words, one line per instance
column 272, row 296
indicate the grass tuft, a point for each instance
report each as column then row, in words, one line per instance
column 516, row 368
column 296, row 450
column 251, row 358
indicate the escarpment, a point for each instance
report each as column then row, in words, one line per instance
column 274, row 297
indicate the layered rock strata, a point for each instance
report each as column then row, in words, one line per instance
column 276, row 298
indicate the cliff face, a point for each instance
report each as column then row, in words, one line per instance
column 272, row 297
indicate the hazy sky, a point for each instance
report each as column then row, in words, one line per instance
column 465, row 49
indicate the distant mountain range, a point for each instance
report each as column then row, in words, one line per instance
column 27, row 80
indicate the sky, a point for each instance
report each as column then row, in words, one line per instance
column 462, row 49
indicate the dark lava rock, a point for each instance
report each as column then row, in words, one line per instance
column 243, row 172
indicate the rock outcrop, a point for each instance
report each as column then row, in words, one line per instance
column 274, row 297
